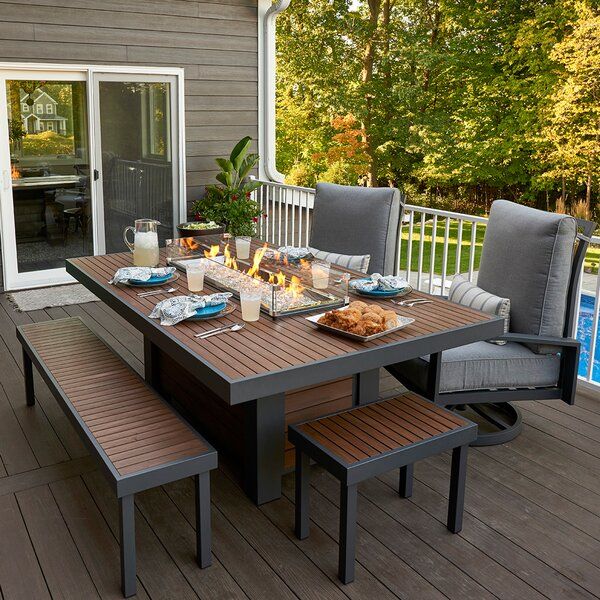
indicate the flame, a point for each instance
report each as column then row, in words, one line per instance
column 304, row 264
column 14, row 172
column 295, row 287
column 254, row 271
column 214, row 251
column 189, row 243
column 278, row 279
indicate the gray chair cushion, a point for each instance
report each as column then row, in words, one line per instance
column 483, row 366
column 355, row 263
column 357, row 220
column 527, row 257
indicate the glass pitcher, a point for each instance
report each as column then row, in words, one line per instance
column 145, row 242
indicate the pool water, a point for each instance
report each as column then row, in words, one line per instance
column 584, row 335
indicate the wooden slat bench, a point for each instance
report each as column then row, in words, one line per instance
column 139, row 440
column 366, row 441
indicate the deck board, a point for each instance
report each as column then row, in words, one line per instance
column 531, row 528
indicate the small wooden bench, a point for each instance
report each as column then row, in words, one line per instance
column 139, row 440
column 369, row 440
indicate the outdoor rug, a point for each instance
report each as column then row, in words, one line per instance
column 61, row 295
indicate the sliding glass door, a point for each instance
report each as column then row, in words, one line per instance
column 83, row 153
column 136, row 127
column 46, row 200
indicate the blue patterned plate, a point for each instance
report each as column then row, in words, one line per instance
column 381, row 293
column 154, row 280
column 211, row 312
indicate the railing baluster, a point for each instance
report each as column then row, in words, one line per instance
column 445, row 254
column 287, row 202
column 472, row 249
column 459, row 246
column 411, row 221
column 596, row 313
column 267, row 214
column 421, row 248
column 300, row 218
column 307, row 228
column 432, row 257
column 294, row 218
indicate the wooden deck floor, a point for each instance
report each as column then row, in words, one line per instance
column 531, row 530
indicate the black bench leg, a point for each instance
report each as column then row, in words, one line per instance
column 348, row 505
column 405, row 487
column 127, row 532
column 28, row 370
column 458, row 479
column 203, row 532
column 302, row 494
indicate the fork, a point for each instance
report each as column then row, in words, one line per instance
column 409, row 303
column 218, row 330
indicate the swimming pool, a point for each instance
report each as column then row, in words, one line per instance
column 584, row 335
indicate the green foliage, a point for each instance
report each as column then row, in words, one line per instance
column 231, row 202
column 457, row 101
column 47, row 143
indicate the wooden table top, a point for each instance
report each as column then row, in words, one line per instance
column 274, row 355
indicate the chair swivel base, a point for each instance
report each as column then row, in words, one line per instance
column 505, row 420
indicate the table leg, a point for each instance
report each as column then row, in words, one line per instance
column 150, row 362
column 264, row 447
column 365, row 387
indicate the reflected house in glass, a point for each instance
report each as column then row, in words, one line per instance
column 40, row 112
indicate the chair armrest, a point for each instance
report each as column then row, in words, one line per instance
column 546, row 340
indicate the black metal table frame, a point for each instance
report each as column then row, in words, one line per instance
column 263, row 394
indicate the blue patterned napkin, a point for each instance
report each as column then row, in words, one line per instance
column 174, row 310
column 140, row 273
column 384, row 283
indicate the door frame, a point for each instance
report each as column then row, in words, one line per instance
column 79, row 72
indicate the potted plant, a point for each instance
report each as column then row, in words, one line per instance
column 230, row 202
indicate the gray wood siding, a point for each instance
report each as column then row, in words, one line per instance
column 215, row 42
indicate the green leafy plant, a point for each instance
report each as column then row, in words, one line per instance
column 230, row 202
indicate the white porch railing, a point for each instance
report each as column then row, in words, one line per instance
column 433, row 246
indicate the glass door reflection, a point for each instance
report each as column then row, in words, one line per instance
column 50, row 172
column 138, row 169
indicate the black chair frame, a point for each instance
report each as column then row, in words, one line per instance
column 494, row 405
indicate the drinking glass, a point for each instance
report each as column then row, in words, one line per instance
column 250, row 299
column 195, row 271
column 320, row 274
column 242, row 247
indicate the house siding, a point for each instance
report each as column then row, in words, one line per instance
column 216, row 43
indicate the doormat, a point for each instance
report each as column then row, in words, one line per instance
column 61, row 295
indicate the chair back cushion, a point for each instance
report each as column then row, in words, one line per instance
column 527, row 257
column 356, row 221
column 462, row 291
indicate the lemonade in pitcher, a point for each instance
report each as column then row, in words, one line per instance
column 145, row 243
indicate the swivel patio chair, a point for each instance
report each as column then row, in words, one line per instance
column 533, row 258
column 352, row 220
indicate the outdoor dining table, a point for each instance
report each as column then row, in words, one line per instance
column 232, row 387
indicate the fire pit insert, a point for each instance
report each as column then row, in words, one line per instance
column 286, row 288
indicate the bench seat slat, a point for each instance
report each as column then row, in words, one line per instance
column 127, row 418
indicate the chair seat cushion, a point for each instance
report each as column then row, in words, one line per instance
column 482, row 366
column 358, row 262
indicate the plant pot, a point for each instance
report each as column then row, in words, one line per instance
column 184, row 231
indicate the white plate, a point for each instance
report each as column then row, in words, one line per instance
column 402, row 322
